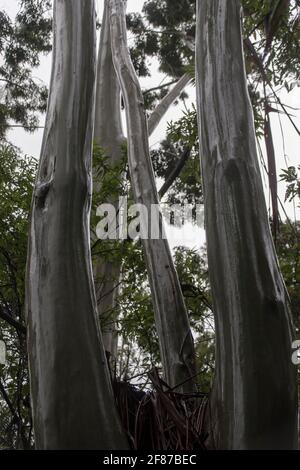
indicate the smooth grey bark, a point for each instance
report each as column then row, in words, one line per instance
column 254, row 403
column 109, row 136
column 175, row 338
column 72, row 400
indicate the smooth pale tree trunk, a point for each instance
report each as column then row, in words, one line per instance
column 72, row 401
column 254, row 403
column 109, row 136
column 175, row 338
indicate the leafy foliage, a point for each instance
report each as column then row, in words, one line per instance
column 180, row 135
column 17, row 175
column 162, row 31
column 288, row 251
column 22, row 40
column 291, row 177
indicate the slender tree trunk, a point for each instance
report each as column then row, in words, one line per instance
column 175, row 339
column 72, row 401
column 254, row 401
column 272, row 171
column 109, row 136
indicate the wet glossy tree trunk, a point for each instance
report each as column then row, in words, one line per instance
column 254, row 403
column 72, row 401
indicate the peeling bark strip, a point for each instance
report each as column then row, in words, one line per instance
column 73, row 405
column 175, row 339
column 255, row 394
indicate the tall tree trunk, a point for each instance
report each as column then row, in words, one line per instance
column 175, row 338
column 255, row 395
column 109, row 136
column 72, row 401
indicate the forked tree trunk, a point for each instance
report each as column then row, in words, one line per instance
column 175, row 339
column 109, row 136
column 254, row 401
column 72, row 401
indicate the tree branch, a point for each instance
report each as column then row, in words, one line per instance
column 248, row 44
column 8, row 402
column 166, row 102
column 6, row 317
column 274, row 20
column 175, row 172
column 159, row 87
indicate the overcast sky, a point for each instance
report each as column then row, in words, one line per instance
column 287, row 149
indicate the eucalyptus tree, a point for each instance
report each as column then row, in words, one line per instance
column 72, row 400
column 68, row 368
column 254, row 401
column 22, row 41
column 175, row 338
column 109, row 136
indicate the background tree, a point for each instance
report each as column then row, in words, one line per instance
column 16, row 182
column 22, row 41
